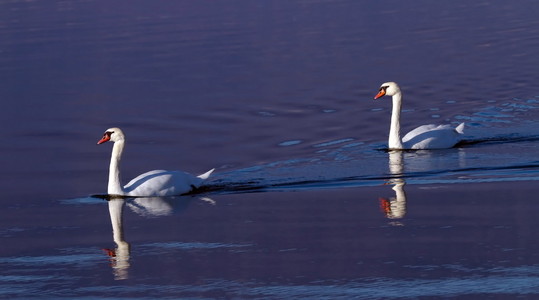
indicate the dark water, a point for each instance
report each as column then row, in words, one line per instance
column 277, row 95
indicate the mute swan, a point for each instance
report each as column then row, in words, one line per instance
column 423, row 137
column 152, row 183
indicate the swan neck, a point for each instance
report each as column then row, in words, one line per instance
column 115, row 186
column 395, row 141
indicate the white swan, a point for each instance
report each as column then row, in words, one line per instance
column 152, row 183
column 423, row 137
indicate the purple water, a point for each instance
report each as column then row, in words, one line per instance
column 277, row 95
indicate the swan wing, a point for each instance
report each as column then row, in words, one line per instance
column 433, row 137
column 420, row 130
column 162, row 183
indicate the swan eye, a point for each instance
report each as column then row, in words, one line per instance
column 383, row 88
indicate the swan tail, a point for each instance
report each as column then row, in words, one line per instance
column 460, row 128
column 206, row 175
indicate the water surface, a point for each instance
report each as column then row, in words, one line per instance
column 277, row 96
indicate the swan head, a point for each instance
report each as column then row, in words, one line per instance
column 114, row 134
column 389, row 89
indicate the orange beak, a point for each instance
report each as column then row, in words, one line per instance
column 105, row 138
column 380, row 94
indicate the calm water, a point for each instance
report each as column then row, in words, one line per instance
column 277, row 95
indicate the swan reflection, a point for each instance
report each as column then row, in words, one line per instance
column 394, row 208
column 119, row 257
column 147, row 207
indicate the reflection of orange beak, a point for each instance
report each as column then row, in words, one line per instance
column 110, row 252
column 105, row 138
column 380, row 94
column 385, row 205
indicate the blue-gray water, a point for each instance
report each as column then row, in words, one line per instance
column 277, row 95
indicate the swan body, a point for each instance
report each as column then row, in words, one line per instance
column 423, row 137
column 149, row 184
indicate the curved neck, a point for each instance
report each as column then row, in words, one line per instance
column 395, row 129
column 115, row 186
